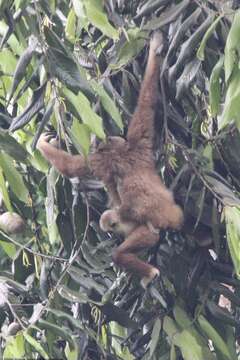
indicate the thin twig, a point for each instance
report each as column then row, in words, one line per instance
column 15, row 315
column 24, row 247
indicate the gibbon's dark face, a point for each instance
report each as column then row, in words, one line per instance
column 112, row 143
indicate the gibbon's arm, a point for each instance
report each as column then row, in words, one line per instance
column 66, row 164
column 114, row 198
column 141, row 128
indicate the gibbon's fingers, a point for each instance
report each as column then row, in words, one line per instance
column 45, row 137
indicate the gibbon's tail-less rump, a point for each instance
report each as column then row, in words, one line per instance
column 128, row 171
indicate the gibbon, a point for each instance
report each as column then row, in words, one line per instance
column 127, row 168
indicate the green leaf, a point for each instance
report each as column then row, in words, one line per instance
column 21, row 3
column 98, row 18
column 13, row 177
column 70, row 28
column 132, row 47
column 232, row 48
column 67, row 71
column 88, row 116
column 14, row 347
column 71, row 354
column 231, row 342
column 188, row 48
column 182, row 319
column 214, row 336
column 231, row 108
column 215, row 87
column 173, row 354
column 119, row 333
column 63, row 65
column 155, row 336
column 36, row 104
column 186, row 323
column 167, row 17
column 189, row 346
column 61, row 331
column 22, row 64
column 149, row 7
column 62, row 315
column 8, row 61
column 14, row 44
column 9, row 248
column 186, row 340
column 3, row 5
column 9, row 145
column 54, row 42
column 232, row 218
column 108, row 104
column 209, row 32
column 80, row 136
column 73, row 296
column 36, row 345
column 4, row 192
column 78, row 7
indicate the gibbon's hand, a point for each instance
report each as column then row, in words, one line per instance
column 45, row 137
column 156, row 43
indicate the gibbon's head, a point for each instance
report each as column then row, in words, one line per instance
column 112, row 143
column 110, row 221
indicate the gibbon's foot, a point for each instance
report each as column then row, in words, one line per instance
column 147, row 281
column 156, row 43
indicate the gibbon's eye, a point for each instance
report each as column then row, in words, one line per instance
column 113, row 225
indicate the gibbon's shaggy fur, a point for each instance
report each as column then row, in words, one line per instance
column 128, row 171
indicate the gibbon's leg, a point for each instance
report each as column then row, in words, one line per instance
column 125, row 257
column 141, row 128
column 66, row 164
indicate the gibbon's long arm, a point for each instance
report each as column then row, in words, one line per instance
column 141, row 129
column 66, row 164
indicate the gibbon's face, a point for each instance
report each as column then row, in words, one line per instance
column 112, row 143
column 109, row 220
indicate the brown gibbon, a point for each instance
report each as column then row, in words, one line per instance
column 127, row 168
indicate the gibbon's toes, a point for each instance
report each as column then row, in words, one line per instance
column 156, row 43
column 148, row 280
